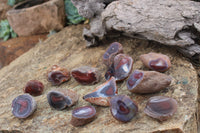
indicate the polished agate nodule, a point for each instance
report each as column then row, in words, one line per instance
column 114, row 49
column 102, row 94
column 23, row 106
column 86, row 75
column 83, row 115
column 58, row 75
column 122, row 66
column 34, row 87
column 147, row 81
column 156, row 61
column 62, row 98
column 123, row 108
column 161, row 107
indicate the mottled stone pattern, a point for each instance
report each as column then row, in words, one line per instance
column 67, row 49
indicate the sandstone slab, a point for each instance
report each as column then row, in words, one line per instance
column 67, row 49
column 37, row 17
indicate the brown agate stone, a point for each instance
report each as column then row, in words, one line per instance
column 62, row 98
column 123, row 108
column 58, row 75
column 102, row 94
column 86, row 75
column 83, row 115
column 34, row 87
column 122, row 66
column 155, row 61
column 114, row 49
column 161, row 107
column 147, row 81
column 23, row 106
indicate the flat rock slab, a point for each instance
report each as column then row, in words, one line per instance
column 67, row 49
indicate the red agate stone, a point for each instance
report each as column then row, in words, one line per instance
column 147, row 81
column 155, row 61
column 34, row 87
column 102, row 94
column 122, row 66
column 62, row 98
column 161, row 107
column 86, row 75
column 83, row 115
column 58, row 75
column 23, row 106
column 123, row 108
column 114, row 49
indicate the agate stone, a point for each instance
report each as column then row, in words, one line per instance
column 62, row 98
column 122, row 66
column 86, row 75
column 83, row 115
column 156, row 61
column 23, row 106
column 147, row 81
column 161, row 107
column 58, row 75
column 102, row 94
column 114, row 49
column 34, row 87
column 123, row 108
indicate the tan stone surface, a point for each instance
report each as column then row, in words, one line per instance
column 37, row 19
column 15, row 47
column 67, row 49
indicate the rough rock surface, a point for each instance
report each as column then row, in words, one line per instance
column 15, row 47
column 171, row 22
column 4, row 7
column 37, row 18
column 66, row 49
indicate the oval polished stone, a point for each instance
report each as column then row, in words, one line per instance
column 156, row 61
column 34, row 87
column 123, row 108
column 58, row 75
column 123, row 65
column 83, row 115
column 161, row 107
column 102, row 94
column 86, row 75
column 147, row 81
column 114, row 49
column 23, row 106
column 62, row 98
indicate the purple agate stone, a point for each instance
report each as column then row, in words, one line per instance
column 123, row 108
column 23, row 106
column 161, row 107
column 83, row 115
